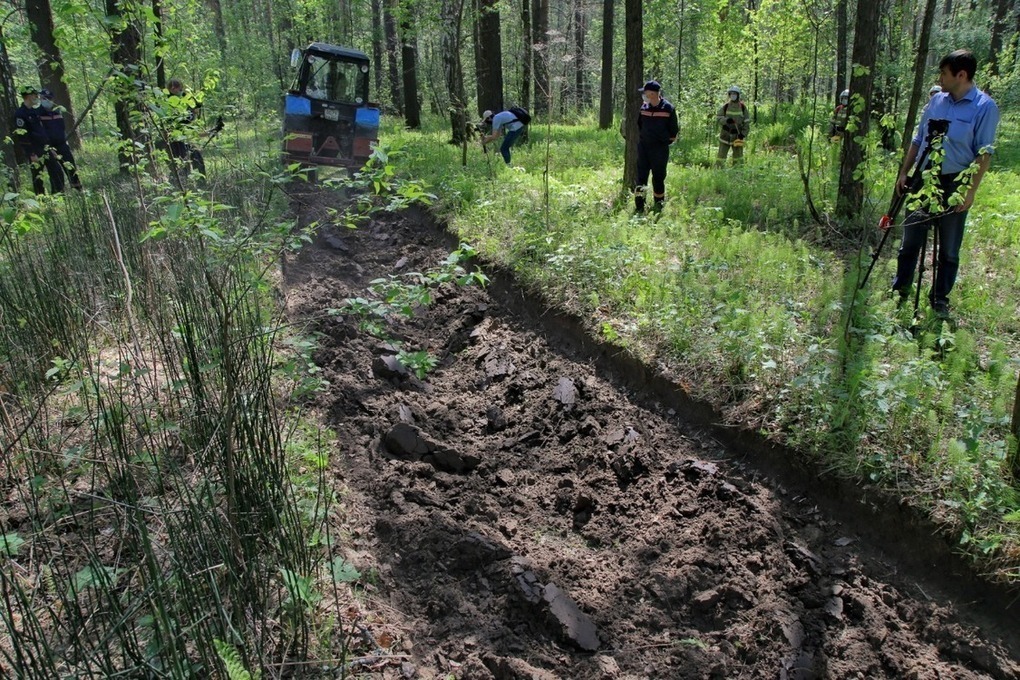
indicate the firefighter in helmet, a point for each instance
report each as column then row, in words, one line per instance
column 735, row 123
column 837, row 126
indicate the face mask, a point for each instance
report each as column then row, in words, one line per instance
column 47, row 103
column 734, row 97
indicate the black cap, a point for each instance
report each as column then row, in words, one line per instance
column 48, row 94
column 27, row 90
column 651, row 85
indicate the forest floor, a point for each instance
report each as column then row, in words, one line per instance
column 529, row 513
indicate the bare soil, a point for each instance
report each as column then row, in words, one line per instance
column 529, row 515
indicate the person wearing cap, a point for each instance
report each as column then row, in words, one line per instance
column 504, row 123
column 52, row 119
column 934, row 90
column 837, row 126
column 33, row 142
column 189, row 110
column 657, row 129
column 735, row 123
column 967, row 149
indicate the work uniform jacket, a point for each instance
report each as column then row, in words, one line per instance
column 839, row 119
column 657, row 125
column 741, row 121
column 31, row 135
column 53, row 125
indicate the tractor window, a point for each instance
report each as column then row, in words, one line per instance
column 337, row 81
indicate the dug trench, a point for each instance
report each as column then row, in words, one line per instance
column 539, row 505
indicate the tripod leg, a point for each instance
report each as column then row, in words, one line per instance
column 920, row 274
column 934, row 263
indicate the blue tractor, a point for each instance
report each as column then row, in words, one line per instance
column 327, row 117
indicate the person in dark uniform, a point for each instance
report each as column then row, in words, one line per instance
column 191, row 111
column 31, row 137
column 53, row 124
column 657, row 128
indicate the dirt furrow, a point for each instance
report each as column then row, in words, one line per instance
column 529, row 517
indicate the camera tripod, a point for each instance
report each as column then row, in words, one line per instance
column 937, row 129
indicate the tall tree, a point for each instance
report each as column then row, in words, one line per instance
column 377, row 47
column 606, row 89
column 157, row 21
column 488, row 55
column 125, row 53
column 635, row 66
column 219, row 27
column 920, row 66
column 409, row 59
column 841, row 47
column 392, row 48
column 862, row 81
column 580, row 86
column 8, row 99
column 540, row 48
column 999, row 23
column 451, row 15
column 51, row 64
column 527, row 54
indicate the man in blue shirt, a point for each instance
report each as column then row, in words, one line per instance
column 968, row 146
column 31, row 137
column 503, row 123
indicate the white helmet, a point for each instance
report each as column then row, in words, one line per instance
column 845, row 94
column 935, row 89
column 733, row 89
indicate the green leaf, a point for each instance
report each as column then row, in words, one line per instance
column 343, row 571
column 11, row 544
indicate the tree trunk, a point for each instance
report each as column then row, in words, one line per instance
column 527, row 58
column 409, row 59
column 633, row 29
column 377, row 47
column 851, row 188
column 488, row 56
column 606, row 90
column 540, row 48
column 920, row 67
column 452, row 12
column 580, row 86
column 841, row 47
column 219, row 28
column 126, row 57
column 392, row 47
column 157, row 14
column 8, row 99
column 51, row 65
column 999, row 22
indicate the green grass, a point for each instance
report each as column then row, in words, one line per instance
column 745, row 300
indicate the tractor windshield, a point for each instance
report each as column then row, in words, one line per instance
column 334, row 80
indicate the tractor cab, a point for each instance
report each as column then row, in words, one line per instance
column 327, row 118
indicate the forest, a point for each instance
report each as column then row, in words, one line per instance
column 433, row 415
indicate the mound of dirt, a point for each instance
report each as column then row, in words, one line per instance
column 529, row 519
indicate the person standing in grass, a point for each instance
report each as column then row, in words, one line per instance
column 840, row 117
column 735, row 123
column 657, row 129
column 968, row 146
column 56, row 137
column 31, row 138
column 188, row 110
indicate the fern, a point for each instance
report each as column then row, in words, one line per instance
column 232, row 661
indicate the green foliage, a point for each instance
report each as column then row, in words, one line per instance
column 233, row 663
column 10, row 544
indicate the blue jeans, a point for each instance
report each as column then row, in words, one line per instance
column 915, row 234
column 508, row 140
